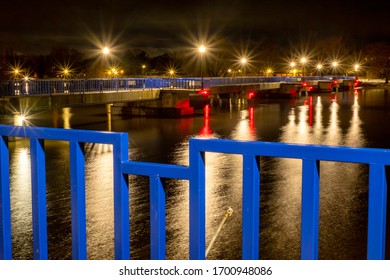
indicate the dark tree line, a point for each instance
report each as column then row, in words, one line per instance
column 219, row 61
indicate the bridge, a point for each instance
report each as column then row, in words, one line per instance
column 151, row 94
column 23, row 87
column 311, row 157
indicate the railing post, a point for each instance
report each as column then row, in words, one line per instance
column 38, row 194
column 377, row 206
column 121, row 200
column 310, row 209
column 157, row 219
column 251, row 208
column 5, row 205
column 78, row 211
column 197, row 203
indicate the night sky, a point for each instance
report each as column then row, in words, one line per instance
column 159, row 26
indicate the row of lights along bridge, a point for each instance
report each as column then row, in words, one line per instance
column 298, row 67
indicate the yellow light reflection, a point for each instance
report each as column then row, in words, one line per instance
column 354, row 136
column 66, row 116
column 333, row 136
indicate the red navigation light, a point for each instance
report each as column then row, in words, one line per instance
column 357, row 83
column 251, row 94
column 204, row 92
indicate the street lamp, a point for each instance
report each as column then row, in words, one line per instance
column 292, row 66
column 334, row 65
column 319, row 67
column 243, row 62
column 106, row 50
column 356, row 69
column 202, row 50
column 303, row 61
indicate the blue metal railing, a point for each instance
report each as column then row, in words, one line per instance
column 311, row 156
column 75, row 86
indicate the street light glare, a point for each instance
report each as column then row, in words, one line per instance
column 106, row 50
column 202, row 49
column 243, row 60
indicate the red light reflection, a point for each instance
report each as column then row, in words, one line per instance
column 206, row 131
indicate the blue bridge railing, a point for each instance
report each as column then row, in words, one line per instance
column 311, row 156
column 66, row 86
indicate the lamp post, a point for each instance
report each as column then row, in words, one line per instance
column 356, row 66
column 105, row 61
column 243, row 62
column 303, row 61
column 202, row 50
column 334, row 66
column 292, row 66
column 319, row 67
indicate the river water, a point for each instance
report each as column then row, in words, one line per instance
column 355, row 118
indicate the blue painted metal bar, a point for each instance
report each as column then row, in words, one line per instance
column 78, row 212
column 197, row 203
column 251, row 207
column 377, row 207
column 310, row 209
column 5, row 205
column 121, row 199
column 157, row 219
column 152, row 169
column 298, row 151
column 38, row 194
column 62, row 134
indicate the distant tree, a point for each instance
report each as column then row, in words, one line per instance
column 217, row 64
column 377, row 56
column 62, row 58
column 133, row 59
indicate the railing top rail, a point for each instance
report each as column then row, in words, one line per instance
column 297, row 151
column 61, row 134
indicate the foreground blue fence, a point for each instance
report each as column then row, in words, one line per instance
column 311, row 156
column 73, row 86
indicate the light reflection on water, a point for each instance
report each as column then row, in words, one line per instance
column 323, row 119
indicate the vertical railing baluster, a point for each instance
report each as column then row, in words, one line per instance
column 121, row 199
column 251, row 207
column 157, row 219
column 310, row 209
column 38, row 184
column 377, row 206
column 5, row 203
column 77, row 191
column 197, row 203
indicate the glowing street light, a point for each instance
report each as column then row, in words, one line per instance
column 202, row 50
column 356, row 67
column 319, row 67
column 334, row 66
column 106, row 50
column 303, row 61
column 243, row 62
